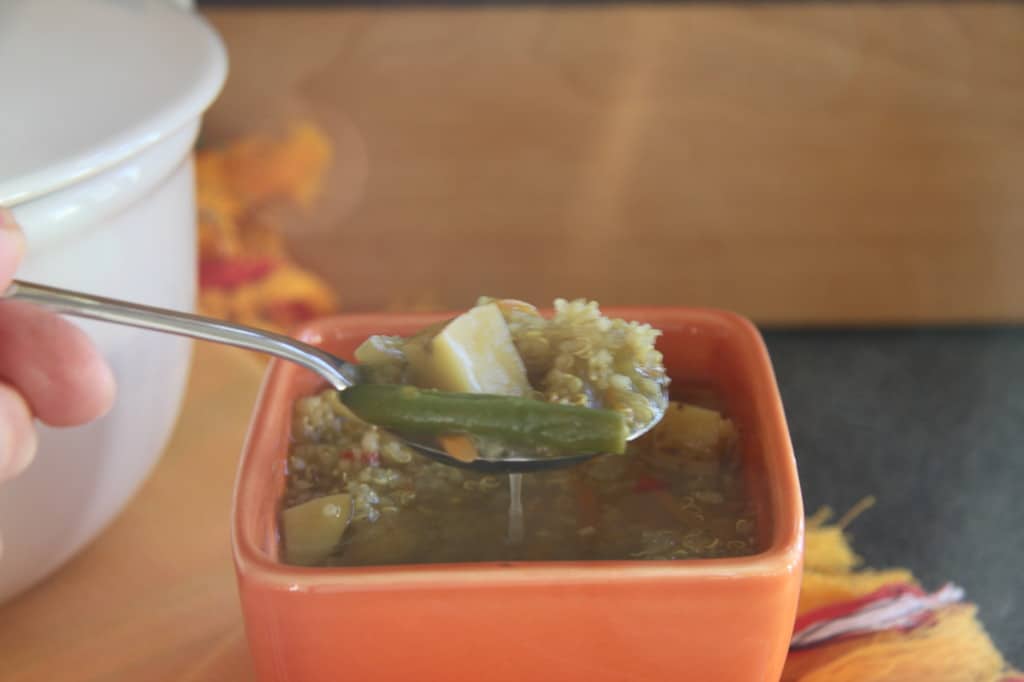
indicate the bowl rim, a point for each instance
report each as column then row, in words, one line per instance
column 784, row 555
column 184, row 98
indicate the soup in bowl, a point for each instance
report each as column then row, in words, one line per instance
column 679, row 555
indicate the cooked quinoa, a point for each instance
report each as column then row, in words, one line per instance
column 578, row 356
column 581, row 357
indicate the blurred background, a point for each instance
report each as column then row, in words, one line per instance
column 846, row 174
column 800, row 163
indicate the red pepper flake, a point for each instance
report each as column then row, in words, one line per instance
column 371, row 459
column 648, row 484
column 229, row 273
column 348, row 454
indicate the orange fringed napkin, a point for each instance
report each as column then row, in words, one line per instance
column 247, row 276
column 245, row 272
column 949, row 645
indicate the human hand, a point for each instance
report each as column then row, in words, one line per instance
column 49, row 369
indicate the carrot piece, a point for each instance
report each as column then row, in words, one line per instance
column 459, row 447
column 512, row 304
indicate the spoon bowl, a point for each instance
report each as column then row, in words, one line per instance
column 337, row 372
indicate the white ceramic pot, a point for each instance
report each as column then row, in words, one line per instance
column 99, row 111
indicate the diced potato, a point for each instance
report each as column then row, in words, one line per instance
column 312, row 530
column 474, row 353
column 730, row 436
column 379, row 350
column 382, row 359
column 695, row 431
column 382, row 349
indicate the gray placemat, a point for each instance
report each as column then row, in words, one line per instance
column 930, row 422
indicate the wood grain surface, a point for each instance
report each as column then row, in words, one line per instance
column 809, row 162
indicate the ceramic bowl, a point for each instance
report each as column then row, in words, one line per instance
column 98, row 171
column 708, row 620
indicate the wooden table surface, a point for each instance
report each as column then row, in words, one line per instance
column 797, row 162
column 807, row 162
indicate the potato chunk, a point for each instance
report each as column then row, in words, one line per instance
column 474, row 353
column 312, row 530
column 695, row 431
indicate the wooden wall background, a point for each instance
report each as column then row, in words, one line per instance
column 800, row 163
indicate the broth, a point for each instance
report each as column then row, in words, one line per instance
column 678, row 493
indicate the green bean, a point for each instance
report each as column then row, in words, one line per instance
column 510, row 420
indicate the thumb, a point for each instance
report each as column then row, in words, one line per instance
column 12, row 246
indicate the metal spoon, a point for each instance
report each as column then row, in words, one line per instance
column 339, row 373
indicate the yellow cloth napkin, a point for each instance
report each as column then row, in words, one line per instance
column 954, row 647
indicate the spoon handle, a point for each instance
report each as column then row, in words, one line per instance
column 339, row 373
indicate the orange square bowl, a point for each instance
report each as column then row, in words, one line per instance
column 593, row 621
